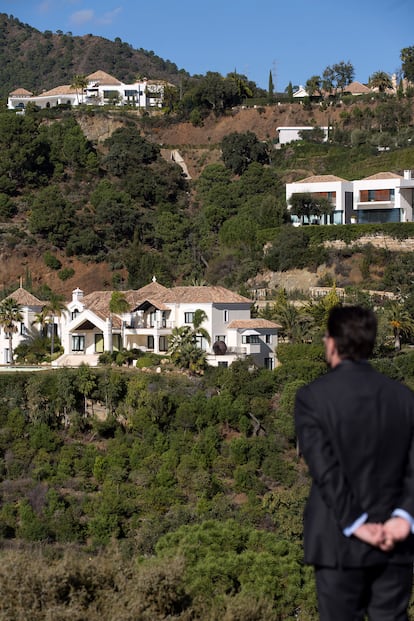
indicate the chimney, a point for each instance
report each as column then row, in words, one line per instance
column 77, row 294
column 407, row 174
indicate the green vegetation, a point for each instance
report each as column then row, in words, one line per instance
column 32, row 58
column 139, row 495
column 164, row 471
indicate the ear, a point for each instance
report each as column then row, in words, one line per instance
column 331, row 351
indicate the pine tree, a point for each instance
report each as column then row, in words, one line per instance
column 271, row 87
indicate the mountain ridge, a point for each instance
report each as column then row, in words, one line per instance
column 39, row 61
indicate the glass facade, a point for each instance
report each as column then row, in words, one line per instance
column 374, row 216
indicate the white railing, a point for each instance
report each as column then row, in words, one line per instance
column 144, row 324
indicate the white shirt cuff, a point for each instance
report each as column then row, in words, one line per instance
column 404, row 514
column 349, row 530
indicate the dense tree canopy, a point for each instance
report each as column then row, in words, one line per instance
column 337, row 76
column 407, row 58
column 240, row 150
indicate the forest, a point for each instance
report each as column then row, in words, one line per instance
column 121, row 203
column 130, row 494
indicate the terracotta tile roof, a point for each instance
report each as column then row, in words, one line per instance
column 384, row 175
column 103, row 78
column 65, row 89
column 320, row 179
column 202, row 295
column 156, row 303
column 253, row 323
column 24, row 298
column 154, row 293
column 21, row 92
column 160, row 296
column 357, row 88
column 98, row 302
column 152, row 290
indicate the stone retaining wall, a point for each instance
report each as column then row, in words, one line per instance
column 379, row 241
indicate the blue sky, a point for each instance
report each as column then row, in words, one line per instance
column 294, row 39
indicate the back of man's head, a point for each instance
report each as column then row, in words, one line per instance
column 354, row 330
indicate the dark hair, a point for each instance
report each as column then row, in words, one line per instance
column 354, row 330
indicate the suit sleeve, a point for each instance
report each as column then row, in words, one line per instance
column 324, row 466
column 406, row 500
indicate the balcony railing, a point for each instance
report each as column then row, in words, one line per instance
column 146, row 324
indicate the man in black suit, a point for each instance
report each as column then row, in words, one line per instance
column 356, row 432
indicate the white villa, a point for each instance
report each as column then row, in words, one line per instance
column 291, row 133
column 383, row 197
column 101, row 89
column 87, row 327
column 30, row 307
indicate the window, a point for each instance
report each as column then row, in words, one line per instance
column 220, row 337
column 163, row 343
column 116, row 342
column 268, row 338
column 150, row 342
column 226, row 316
column 250, row 339
column 371, row 195
column 99, row 343
column 54, row 327
column 268, row 363
column 23, row 329
column 189, row 317
column 223, row 363
column 201, row 342
column 78, row 342
column 366, row 216
column 75, row 313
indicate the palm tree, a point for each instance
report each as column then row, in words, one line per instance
column 54, row 308
column 118, row 304
column 296, row 324
column 79, row 83
column 401, row 322
column 184, row 347
column 41, row 319
column 381, row 81
column 198, row 319
column 10, row 314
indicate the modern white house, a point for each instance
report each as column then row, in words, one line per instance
column 338, row 191
column 383, row 197
column 87, row 328
column 288, row 134
column 101, row 89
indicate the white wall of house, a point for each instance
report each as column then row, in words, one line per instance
column 334, row 191
column 383, row 197
column 139, row 94
column 221, row 316
column 392, row 194
column 24, row 329
column 291, row 134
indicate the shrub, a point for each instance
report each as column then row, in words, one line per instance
column 52, row 261
column 66, row 273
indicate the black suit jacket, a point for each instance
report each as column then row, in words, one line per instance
column 356, row 432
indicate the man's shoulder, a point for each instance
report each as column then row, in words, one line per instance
column 356, row 374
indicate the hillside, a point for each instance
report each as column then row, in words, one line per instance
column 42, row 60
column 171, row 239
